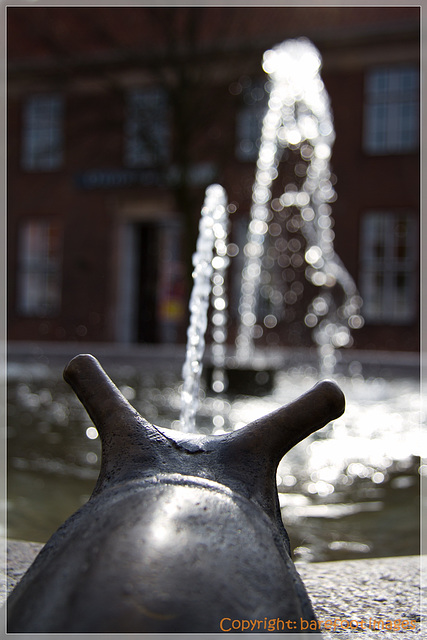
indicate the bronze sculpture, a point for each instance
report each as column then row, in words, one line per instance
column 182, row 531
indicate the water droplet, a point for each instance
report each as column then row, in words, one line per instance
column 270, row 321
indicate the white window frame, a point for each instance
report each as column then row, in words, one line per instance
column 39, row 269
column 388, row 267
column 391, row 114
column 43, row 135
column 147, row 128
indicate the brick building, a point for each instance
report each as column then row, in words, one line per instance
column 119, row 117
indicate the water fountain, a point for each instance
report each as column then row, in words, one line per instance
column 322, row 268
column 297, row 222
column 210, row 263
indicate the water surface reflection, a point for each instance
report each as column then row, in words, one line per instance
column 349, row 491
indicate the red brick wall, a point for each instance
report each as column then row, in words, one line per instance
column 94, row 138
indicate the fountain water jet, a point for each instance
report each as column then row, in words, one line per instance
column 298, row 119
column 212, row 239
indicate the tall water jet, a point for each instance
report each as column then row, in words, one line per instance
column 299, row 120
column 219, row 303
column 209, row 262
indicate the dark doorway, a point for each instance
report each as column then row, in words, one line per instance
column 148, row 268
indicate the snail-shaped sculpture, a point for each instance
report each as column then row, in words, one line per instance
column 183, row 532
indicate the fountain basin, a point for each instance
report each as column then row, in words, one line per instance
column 244, row 380
column 53, row 464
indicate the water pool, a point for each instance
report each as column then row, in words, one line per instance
column 350, row 490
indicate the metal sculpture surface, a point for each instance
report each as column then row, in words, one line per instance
column 183, row 532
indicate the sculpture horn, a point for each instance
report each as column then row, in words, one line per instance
column 254, row 452
column 129, row 443
column 277, row 432
column 104, row 403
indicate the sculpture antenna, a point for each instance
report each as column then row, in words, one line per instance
column 105, row 404
column 128, row 441
column 251, row 455
column 277, row 432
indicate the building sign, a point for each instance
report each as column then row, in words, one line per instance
column 114, row 178
column 199, row 175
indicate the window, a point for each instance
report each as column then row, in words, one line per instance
column 147, row 132
column 42, row 133
column 39, row 291
column 391, row 110
column 389, row 267
column 249, row 119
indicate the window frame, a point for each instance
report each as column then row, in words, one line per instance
column 380, row 274
column 39, row 274
column 391, row 123
column 154, row 151
column 43, row 132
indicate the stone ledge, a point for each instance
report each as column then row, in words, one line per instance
column 373, row 593
column 378, row 591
